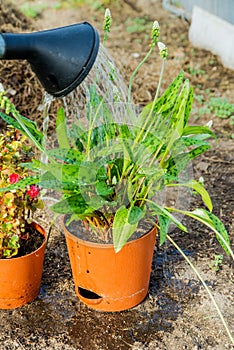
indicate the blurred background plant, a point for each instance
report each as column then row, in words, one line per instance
column 31, row 9
column 214, row 106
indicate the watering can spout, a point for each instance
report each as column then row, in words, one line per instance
column 61, row 58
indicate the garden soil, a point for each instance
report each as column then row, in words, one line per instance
column 177, row 313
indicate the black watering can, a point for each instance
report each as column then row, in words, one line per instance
column 60, row 57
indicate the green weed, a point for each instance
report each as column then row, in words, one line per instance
column 214, row 106
column 93, row 4
column 195, row 71
column 32, row 10
column 216, row 264
column 137, row 24
column 221, row 107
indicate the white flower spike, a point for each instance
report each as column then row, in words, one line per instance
column 163, row 51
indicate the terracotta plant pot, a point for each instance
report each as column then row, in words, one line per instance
column 108, row 281
column 20, row 278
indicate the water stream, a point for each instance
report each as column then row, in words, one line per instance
column 109, row 85
column 48, row 99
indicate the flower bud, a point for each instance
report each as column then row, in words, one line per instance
column 33, row 191
column 163, row 51
column 155, row 32
column 107, row 21
column 3, row 102
column 13, row 178
column 8, row 107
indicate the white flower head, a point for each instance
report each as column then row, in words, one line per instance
column 163, row 51
column 201, row 180
column 107, row 13
column 209, row 124
column 155, row 25
column 161, row 46
column 155, row 32
column 107, row 21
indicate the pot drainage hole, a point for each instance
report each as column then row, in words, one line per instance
column 88, row 294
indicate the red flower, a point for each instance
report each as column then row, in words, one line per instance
column 14, row 178
column 33, row 191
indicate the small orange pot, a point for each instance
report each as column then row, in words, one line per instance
column 108, row 281
column 20, row 278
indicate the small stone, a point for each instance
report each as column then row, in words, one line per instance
column 136, row 55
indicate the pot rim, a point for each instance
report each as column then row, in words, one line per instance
column 102, row 245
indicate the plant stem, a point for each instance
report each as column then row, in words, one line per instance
column 205, row 286
column 148, row 118
column 159, row 86
column 144, row 127
column 50, row 228
column 135, row 72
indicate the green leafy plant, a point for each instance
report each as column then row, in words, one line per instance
column 195, row 71
column 32, row 10
column 96, row 5
column 137, row 24
column 216, row 264
column 215, row 106
column 111, row 174
column 220, row 107
column 17, row 206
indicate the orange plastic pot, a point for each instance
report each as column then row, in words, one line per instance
column 108, row 281
column 20, row 278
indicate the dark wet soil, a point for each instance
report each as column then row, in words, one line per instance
column 30, row 242
column 177, row 313
column 84, row 232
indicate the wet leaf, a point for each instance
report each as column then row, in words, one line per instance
column 196, row 186
column 211, row 221
column 30, row 129
column 103, row 189
column 200, row 130
column 71, row 156
column 167, row 100
column 135, row 215
column 215, row 224
column 74, row 204
column 156, row 209
column 22, row 184
column 188, row 106
column 176, row 164
column 164, row 223
column 122, row 230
